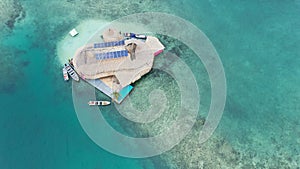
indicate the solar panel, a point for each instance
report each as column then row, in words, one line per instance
column 109, row 44
column 110, row 55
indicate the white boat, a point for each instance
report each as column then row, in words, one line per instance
column 140, row 36
column 65, row 74
column 73, row 32
column 71, row 72
column 133, row 35
column 99, row 103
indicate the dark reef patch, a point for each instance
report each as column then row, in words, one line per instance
column 16, row 15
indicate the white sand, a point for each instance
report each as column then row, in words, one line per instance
column 67, row 47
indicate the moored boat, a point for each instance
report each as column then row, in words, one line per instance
column 137, row 36
column 71, row 72
column 99, row 103
column 140, row 36
column 65, row 74
column 73, row 32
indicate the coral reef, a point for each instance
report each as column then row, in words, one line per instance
column 273, row 147
column 245, row 150
column 10, row 13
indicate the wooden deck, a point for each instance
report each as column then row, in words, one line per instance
column 97, row 63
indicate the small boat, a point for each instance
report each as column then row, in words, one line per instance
column 71, row 72
column 129, row 35
column 140, row 36
column 65, row 73
column 73, row 32
column 99, row 103
column 133, row 35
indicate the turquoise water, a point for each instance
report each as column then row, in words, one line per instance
column 258, row 43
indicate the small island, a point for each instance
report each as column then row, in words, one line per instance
column 113, row 65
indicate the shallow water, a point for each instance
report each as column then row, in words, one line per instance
column 258, row 43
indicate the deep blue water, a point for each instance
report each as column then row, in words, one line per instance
column 258, row 43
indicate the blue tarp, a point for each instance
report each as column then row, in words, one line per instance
column 108, row 91
column 124, row 92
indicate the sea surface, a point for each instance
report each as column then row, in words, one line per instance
column 257, row 41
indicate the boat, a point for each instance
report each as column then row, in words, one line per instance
column 137, row 36
column 65, row 74
column 71, row 72
column 73, row 32
column 99, row 103
column 129, row 35
column 140, row 36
